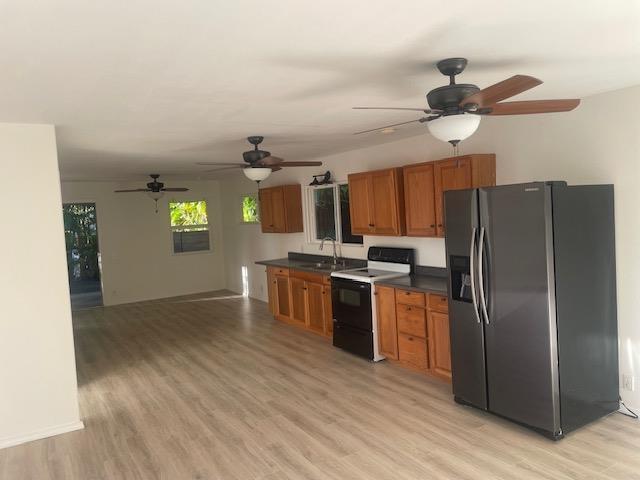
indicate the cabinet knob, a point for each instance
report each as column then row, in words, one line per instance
column 371, row 225
column 439, row 224
column 408, row 309
column 432, row 225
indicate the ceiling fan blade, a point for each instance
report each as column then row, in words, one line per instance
column 217, row 163
column 533, row 106
column 501, row 90
column 175, row 189
column 133, row 190
column 424, row 110
column 235, row 166
column 421, row 120
column 300, row 164
column 270, row 160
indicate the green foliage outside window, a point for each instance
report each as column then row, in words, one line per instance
column 188, row 214
column 249, row 209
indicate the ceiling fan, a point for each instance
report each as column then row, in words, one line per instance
column 259, row 163
column 454, row 110
column 155, row 189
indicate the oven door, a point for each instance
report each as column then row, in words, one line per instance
column 351, row 303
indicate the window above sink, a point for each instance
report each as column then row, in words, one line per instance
column 326, row 209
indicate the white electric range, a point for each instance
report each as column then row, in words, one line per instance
column 355, row 323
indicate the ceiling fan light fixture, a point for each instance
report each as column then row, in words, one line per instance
column 454, row 128
column 257, row 174
column 155, row 195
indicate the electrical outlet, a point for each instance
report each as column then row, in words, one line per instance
column 628, row 382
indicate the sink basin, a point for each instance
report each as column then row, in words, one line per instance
column 321, row 266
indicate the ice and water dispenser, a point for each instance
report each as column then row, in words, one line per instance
column 460, row 268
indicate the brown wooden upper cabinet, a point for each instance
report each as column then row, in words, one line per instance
column 425, row 184
column 281, row 209
column 376, row 202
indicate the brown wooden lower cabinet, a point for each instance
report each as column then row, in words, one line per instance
column 439, row 344
column 387, row 331
column 301, row 298
column 298, row 300
column 413, row 329
column 315, row 306
column 282, row 301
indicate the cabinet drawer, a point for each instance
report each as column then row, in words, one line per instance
column 412, row 350
column 438, row 303
column 304, row 275
column 410, row 298
column 411, row 320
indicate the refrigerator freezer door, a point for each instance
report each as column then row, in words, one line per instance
column 466, row 329
column 520, row 335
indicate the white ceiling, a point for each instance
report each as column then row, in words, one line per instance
column 142, row 86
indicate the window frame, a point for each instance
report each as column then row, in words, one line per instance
column 241, row 217
column 172, row 228
column 310, row 216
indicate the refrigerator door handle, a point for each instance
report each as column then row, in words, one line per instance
column 472, row 255
column 483, row 302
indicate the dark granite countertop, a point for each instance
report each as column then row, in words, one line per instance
column 305, row 262
column 425, row 279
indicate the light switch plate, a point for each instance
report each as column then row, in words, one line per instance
column 628, row 382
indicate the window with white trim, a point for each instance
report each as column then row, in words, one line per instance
column 189, row 226
column 327, row 214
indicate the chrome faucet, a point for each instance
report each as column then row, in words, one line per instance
column 335, row 256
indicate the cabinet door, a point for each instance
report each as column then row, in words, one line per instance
column 298, row 300
column 384, row 205
column 451, row 174
column 272, row 290
column 359, row 185
column 387, row 327
column 419, row 200
column 439, row 344
column 328, row 310
column 277, row 211
column 266, row 210
column 283, row 308
column 413, row 351
column 315, row 307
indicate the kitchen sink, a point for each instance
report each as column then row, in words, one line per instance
column 322, row 266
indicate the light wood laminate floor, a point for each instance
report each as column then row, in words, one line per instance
column 217, row 389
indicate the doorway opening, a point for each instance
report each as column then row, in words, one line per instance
column 83, row 254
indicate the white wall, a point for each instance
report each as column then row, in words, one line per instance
column 135, row 242
column 38, row 389
column 597, row 143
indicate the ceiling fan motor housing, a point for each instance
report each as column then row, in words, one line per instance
column 253, row 156
column 155, row 186
column 448, row 97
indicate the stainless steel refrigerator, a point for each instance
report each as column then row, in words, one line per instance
column 532, row 299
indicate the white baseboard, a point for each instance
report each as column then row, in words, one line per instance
column 38, row 434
